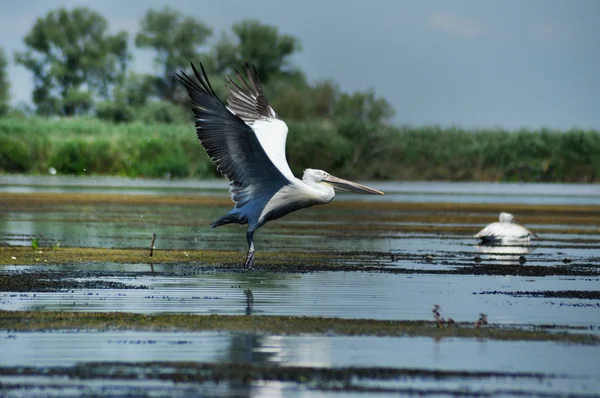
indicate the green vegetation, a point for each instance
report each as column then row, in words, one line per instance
column 142, row 125
column 257, row 44
column 498, row 155
column 175, row 40
column 87, row 145
column 91, row 146
column 288, row 325
column 72, row 58
column 4, row 84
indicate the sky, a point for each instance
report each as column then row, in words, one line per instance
column 473, row 64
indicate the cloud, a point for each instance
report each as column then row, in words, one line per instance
column 449, row 22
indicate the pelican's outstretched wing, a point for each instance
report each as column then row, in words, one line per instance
column 231, row 143
column 247, row 100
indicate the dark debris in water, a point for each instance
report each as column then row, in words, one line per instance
column 199, row 379
column 194, row 372
column 54, row 282
column 571, row 294
column 524, row 270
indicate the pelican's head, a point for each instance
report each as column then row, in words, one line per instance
column 506, row 217
column 313, row 177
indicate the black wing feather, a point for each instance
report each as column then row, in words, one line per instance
column 247, row 99
column 230, row 142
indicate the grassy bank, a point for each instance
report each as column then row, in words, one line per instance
column 90, row 146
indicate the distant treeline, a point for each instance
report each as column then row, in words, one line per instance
column 92, row 114
column 84, row 145
column 80, row 68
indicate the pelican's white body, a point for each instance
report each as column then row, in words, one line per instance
column 278, row 201
column 274, row 199
column 505, row 231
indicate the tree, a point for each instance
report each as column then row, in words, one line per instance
column 4, row 84
column 176, row 40
column 136, row 89
column 258, row 44
column 363, row 119
column 135, row 99
column 325, row 96
column 364, row 107
column 73, row 59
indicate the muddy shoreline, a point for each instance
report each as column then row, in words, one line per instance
column 13, row 321
column 197, row 261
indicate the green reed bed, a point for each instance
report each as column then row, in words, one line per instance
column 78, row 146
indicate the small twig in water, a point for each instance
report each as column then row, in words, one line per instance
column 441, row 322
column 481, row 321
column 152, row 244
column 437, row 316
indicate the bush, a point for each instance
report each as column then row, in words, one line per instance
column 14, row 156
column 349, row 149
column 158, row 158
column 316, row 145
column 162, row 112
column 115, row 112
column 70, row 157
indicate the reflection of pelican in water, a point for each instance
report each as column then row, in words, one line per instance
column 249, row 301
column 505, row 254
column 505, row 232
column 487, row 249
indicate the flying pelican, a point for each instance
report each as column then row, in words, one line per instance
column 505, row 231
column 246, row 139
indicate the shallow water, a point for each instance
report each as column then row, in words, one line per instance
column 455, row 192
column 575, row 366
column 423, row 230
column 69, row 348
column 331, row 294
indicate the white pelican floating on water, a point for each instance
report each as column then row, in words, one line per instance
column 506, row 231
column 246, row 139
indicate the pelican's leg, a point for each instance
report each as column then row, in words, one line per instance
column 250, row 256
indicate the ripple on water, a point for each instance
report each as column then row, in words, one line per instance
column 484, row 365
column 337, row 294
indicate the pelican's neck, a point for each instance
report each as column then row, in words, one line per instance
column 322, row 193
column 506, row 218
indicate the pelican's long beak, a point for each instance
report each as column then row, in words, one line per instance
column 344, row 185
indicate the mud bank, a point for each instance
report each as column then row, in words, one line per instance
column 35, row 321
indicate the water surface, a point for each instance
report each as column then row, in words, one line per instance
column 423, row 230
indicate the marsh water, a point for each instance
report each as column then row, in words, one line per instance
column 360, row 257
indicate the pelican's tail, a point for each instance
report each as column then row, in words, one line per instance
column 230, row 218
